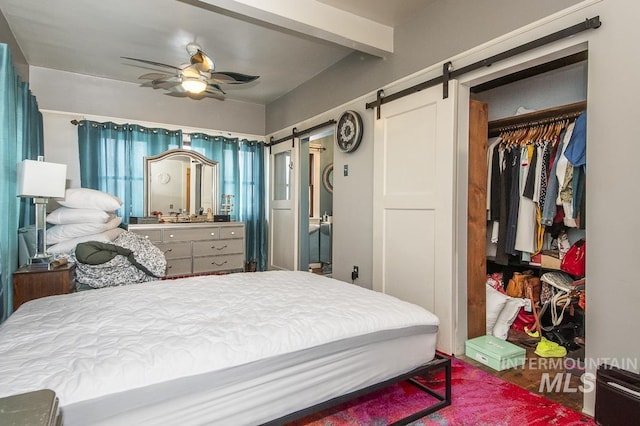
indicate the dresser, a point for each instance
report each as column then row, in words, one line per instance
column 197, row 248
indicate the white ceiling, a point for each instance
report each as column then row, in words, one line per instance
column 286, row 42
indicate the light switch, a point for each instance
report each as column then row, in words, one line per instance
column 346, row 170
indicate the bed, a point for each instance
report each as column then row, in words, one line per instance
column 245, row 348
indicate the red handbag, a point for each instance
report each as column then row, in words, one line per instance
column 574, row 260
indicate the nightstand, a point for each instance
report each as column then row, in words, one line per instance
column 33, row 283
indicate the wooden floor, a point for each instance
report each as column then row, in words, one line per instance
column 531, row 376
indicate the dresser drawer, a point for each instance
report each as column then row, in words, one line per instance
column 191, row 234
column 217, row 247
column 218, row 263
column 227, row 232
column 178, row 267
column 153, row 235
column 175, row 250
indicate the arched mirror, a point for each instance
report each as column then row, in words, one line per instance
column 180, row 181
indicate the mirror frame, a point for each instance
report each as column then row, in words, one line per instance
column 194, row 156
column 327, row 179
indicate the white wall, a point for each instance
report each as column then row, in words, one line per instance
column 613, row 293
column 554, row 88
column 433, row 34
column 352, row 199
column 19, row 61
column 64, row 96
column 86, row 95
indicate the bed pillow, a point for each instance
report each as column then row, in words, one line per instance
column 70, row 245
column 59, row 233
column 66, row 215
column 507, row 317
column 85, row 198
column 495, row 303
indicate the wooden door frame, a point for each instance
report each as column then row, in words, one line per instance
column 477, row 219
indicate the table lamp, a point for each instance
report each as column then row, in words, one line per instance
column 41, row 181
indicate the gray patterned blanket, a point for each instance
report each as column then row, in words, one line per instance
column 120, row 270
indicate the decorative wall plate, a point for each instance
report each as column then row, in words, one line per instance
column 327, row 177
column 349, row 131
column 164, row 177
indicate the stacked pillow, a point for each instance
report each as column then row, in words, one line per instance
column 85, row 215
column 502, row 311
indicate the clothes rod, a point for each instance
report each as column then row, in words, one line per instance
column 449, row 73
column 537, row 117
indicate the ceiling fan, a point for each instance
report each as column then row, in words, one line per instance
column 196, row 80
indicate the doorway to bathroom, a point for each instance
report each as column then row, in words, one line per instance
column 316, row 203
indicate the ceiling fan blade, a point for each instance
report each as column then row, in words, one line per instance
column 157, row 64
column 195, row 96
column 214, row 88
column 159, row 84
column 154, row 76
column 213, row 95
column 177, row 91
column 177, row 94
column 228, row 77
column 166, row 84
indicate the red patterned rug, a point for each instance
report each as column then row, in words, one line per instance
column 478, row 399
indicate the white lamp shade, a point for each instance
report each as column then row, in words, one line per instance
column 39, row 179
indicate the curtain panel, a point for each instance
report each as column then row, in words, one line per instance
column 21, row 137
column 112, row 159
column 241, row 174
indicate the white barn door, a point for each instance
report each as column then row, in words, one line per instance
column 414, row 204
column 283, row 207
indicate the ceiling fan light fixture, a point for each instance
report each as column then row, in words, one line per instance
column 194, row 85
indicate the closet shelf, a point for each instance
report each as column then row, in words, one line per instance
column 543, row 116
column 521, row 265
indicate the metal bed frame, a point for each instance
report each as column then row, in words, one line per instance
column 444, row 400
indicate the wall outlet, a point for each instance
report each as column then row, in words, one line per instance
column 354, row 273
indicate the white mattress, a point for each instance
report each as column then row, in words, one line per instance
column 94, row 347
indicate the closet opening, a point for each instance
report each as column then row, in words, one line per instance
column 525, row 131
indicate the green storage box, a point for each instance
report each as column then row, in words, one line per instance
column 496, row 353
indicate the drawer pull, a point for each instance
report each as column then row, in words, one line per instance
column 167, row 251
column 219, row 248
column 233, row 233
column 170, row 235
column 218, row 264
column 169, row 266
column 213, row 234
column 146, row 236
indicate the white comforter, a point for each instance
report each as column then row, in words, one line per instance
column 92, row 343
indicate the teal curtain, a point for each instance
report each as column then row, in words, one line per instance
column 30, row 133
column 112, row 159
column 241, row 174
column 20, row 138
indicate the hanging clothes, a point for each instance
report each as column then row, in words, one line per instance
column 531, row 184
column 553, row 186
column 576, row 153
column 526, row 235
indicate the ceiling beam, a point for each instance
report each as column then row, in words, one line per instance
column 312, row 18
